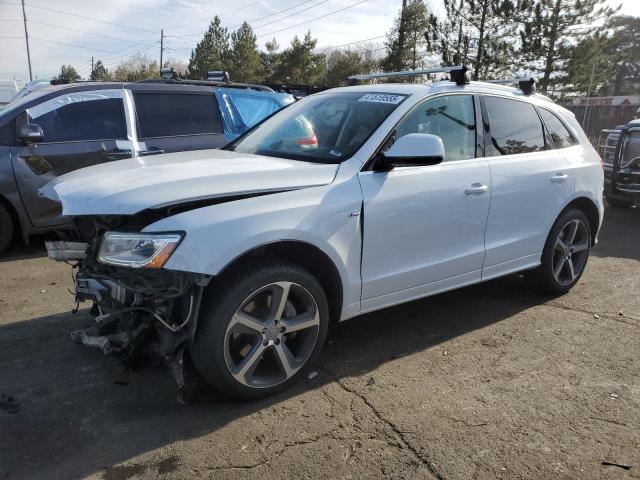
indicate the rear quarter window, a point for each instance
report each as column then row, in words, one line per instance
column 515, row 126
column 173, row 114
column 561, row 136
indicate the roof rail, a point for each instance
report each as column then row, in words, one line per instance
column 458, row 74
column 207, row 83
column 526, row 84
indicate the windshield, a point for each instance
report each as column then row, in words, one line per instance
column 324, row 128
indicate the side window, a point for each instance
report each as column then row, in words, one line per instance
column 515, row 126
column 81, row 116
column 171, row 114
column 452, row 118
column 560, row 135
column 7, row 134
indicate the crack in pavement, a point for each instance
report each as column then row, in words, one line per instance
column 398, row 433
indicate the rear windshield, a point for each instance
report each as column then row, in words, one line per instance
column 324, row 128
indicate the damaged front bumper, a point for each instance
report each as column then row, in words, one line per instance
column 138, row 314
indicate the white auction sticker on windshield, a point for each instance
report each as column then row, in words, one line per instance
column 382, row 98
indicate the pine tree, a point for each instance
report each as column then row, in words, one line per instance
column 100, row 72
column 341, row 65
column 406, row 43
column 300, row 64
column 607, row 63
column 245, row 58
column 68, row 74
column 212, row 52
column 270, row 61
column 551, row 30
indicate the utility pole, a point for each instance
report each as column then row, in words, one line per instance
column 26, row 38
column 161, row 46
column 91, row 65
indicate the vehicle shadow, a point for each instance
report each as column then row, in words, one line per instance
column 620, row 234
column 80, row 412
column 19, row 251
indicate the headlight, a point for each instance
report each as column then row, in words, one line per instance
column 138, row 250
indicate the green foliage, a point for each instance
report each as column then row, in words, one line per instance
column 213, row 52
column 100, row 72
column 68, row 74
column 138, row 67
column 244, row 59
column 406, row 40
column 270, row 60
column 299, row 64
column 611, row 56
column 551, row 29
column 342, row 64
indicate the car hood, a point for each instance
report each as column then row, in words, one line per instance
column 129, row 186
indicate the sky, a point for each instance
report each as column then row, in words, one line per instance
column 72, row 31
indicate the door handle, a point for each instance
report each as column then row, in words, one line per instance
column 560, row 178
column 476, row 189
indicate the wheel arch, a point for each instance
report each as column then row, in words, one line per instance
column 308, row 256
column 590, row 209
column 15, row 219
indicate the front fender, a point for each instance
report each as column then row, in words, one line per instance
column 218, row 234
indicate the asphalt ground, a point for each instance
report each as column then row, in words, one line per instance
column 491, row 381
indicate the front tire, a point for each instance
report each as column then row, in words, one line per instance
column 6, row 228
column 259, row 328
column 565, row 253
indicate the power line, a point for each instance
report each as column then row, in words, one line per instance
column 82, row 31
column 351, row 43
column 291, row 15
column 314, row 19
column 262, row 18
column 208, row 18
column 30, row 5
column 68, row 44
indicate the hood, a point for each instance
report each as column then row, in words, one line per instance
column 126, row 187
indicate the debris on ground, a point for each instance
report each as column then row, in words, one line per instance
column 312, row 375
column 619, row 465
column 596, row 316
column 371, row 382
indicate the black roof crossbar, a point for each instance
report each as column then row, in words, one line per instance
column 458, row 74
column 526, row 84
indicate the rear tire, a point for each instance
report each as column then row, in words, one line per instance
column 259, row 327
column 565, row 253
column 617, row 203
column 6, row 228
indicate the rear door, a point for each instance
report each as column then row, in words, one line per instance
column 174, row 120
column 81, row 129
column 531, row 180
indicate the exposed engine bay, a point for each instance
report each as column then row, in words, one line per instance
column 139, row 313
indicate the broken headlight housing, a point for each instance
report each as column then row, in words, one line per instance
column 138, row 250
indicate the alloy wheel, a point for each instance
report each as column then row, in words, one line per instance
column 570, row 252
column 271, row 335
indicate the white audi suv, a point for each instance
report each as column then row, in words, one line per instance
column 348, row 201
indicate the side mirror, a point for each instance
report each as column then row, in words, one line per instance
column 31, row 133
column 414, row 150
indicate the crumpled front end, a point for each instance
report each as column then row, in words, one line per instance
column 143, row 312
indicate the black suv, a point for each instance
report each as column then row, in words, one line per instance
column 57, row 129
column 621, row 162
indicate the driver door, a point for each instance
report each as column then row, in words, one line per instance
column 424, row 226
column 80, row 129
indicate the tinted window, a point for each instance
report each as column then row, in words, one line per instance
column 7, row 134
column 166, row 115
column 561, row 137
column 452, row 118
column 515, row 126
column 327, row 128
column 81, row 116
